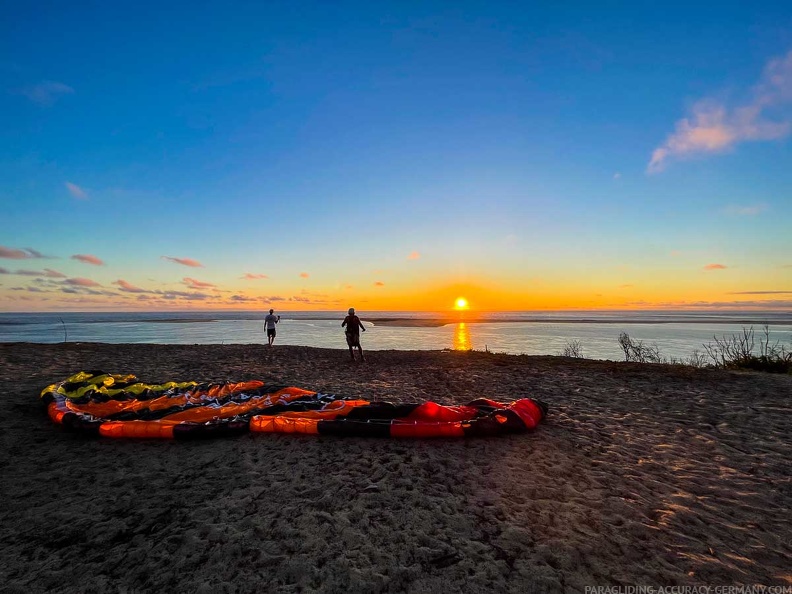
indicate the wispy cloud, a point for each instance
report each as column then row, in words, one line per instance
column 714, row 127
column 755, row 304
column 715, row 267
column 252, row 276
column 625, row 286
column 379, row 284
column 41, row 273
column 304, row 275
column 128, row 287
column 414, row 256
column 88, row 259
column 76, row 191
column 196, row 284
column 617, row 175
column 184, row 261
column 760, row 293
column 23, row 254
column 46, row 92
column 745, row 211
column 81, row 282
column 173, row 295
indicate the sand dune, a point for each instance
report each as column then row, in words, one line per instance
column 641, row 475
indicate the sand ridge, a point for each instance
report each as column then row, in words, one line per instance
column 641, row 475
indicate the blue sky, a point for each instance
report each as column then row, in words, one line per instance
column 395, row 154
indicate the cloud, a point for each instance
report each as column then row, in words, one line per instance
column 127, row 287
column 23, row 254
column 617, row 175
column 82, row 282
column 759, row 293
column 304, row 275
column 252, row 276
column 379, row 284
column 88, row 259
column 242, row 299
column 414, row 256
column 22, row 272
column 171, row 295
column 715, row 267
column 76, row 191
column 184, row 261
column 45, row 273
column 82, row 290
column 763, row 305
column 745, row 211
column 304, row 299
column 196, row 284
column 625, row 286
column 716, row 128
column 46, row 92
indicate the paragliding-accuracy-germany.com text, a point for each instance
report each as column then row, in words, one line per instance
column 754, row 589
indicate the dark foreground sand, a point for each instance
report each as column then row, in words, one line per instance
column 641, row 475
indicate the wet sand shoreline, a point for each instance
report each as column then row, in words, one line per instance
column 641, row 475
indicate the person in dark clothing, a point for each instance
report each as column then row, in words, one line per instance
column 353, row 327
column 269, row 323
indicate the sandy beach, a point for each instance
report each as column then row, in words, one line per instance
column 641, row 475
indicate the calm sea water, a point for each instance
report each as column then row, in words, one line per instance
column 676, row 334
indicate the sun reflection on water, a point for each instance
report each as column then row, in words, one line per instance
column 462, row 337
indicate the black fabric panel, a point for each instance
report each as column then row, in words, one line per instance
column 346, row 428
column 381, row 410
column 483, row 427
column 542, row 405
column 190, row 431
column 513, row 424
column 489, row 425
column 75, row 422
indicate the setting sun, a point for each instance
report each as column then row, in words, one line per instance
column 461, row 303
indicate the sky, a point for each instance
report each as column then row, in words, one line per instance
column 395, row 156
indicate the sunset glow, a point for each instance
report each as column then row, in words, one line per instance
column 434, row 157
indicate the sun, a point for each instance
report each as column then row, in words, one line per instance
column 461, row 303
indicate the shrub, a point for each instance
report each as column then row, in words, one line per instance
column 738, row 352
column 572, row 349
column 638, row 352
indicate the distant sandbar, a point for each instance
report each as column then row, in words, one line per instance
column 437, row 322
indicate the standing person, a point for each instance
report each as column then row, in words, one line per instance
column 353, row 328
column 269, row 323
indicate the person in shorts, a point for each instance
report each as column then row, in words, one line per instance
column 353, row 327
column 269, row 323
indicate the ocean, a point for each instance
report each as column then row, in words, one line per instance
column 676, row 333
